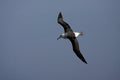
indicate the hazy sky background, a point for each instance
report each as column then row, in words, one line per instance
column 29, row 49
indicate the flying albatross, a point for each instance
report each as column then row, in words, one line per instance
column 72, row 36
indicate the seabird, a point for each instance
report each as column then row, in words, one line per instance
column 72, row 36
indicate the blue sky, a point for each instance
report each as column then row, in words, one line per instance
column 29, row 49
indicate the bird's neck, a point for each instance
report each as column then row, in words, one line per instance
column 64, row 35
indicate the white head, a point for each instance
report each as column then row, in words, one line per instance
column 64, row 35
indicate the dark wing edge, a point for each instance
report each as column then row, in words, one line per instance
column 63, row 23
column 76, row 49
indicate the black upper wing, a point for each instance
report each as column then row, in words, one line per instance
column 76, row 49
column 63, row 23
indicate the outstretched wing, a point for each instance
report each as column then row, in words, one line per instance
column 76, row 49
column 63, row 23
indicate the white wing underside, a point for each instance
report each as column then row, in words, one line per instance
column 63, row 35
column 78, row 33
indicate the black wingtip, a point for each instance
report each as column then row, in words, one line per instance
column 60, row 15
column 84, row 61
column 80, row 56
